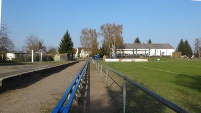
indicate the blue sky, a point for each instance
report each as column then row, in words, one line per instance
column 162, row 21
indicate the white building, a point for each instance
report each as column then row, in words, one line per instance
column 146, row 49
column 83, row 52
column 14, row 55
column 10, row 56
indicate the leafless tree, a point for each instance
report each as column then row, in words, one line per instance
column 52, row 51
column 88, row 40
column 111, row 34
column 32, row 42
column 5, row 43
column 197, row 47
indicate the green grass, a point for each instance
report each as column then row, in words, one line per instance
column 176, row 80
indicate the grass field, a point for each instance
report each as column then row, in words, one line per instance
column 176, row 80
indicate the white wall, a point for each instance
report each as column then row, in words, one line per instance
column 163, row 52
column 10, row 56
column 152, row 52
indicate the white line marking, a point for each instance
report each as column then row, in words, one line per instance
column 167, row 71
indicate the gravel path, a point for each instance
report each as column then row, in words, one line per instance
column 42, row 96
column 97, row 99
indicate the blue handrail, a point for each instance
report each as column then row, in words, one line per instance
column 60, row 107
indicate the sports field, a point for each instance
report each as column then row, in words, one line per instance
column 178, row 80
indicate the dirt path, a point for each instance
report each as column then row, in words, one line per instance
column 96, row 98
column 43, row 95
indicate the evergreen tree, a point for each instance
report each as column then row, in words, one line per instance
column 66, row 45
column 180, row 47
column 185, row 48
column 137, row 40
column 188, row 50
column 149, row 41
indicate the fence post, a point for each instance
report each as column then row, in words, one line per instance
column 98, row 67
column 107, row 76
column 101, row 70
column 124, row 96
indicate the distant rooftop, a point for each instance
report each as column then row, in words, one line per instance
column 147, row 46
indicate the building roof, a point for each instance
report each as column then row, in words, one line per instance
column 147, row 46
column 85, row 49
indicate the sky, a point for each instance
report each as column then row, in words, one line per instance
column 162, row 21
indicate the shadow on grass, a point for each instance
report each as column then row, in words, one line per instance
column 136, row 101
column 192, row 82
column 191, row 89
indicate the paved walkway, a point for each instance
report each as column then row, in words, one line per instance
column 43, row 95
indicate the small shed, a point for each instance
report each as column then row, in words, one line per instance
column 57, row 57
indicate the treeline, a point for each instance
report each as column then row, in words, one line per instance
column 112, row 39
column 32, row 42
column 185, row 48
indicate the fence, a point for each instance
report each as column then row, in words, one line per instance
column 71, row 94
column 128, row 85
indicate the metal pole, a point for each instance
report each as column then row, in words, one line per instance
column 101, row 70
column 124, row 96
column 98, row 67
column 106, row 76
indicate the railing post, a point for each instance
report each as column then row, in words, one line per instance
column 124, row 96
column 101, row 70
column 98, row 67
column 76, row 101
column 107, row 77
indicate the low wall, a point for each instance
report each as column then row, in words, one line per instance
column 126, row 60
column 18, row 80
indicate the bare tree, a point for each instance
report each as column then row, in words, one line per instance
column 32, row 42
column 197, row 46
column 85, row 38
column 88, row 40
column 5, row 43
column 111, row 34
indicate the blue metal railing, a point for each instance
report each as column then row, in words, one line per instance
column 66, row 101
column 157, row 97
